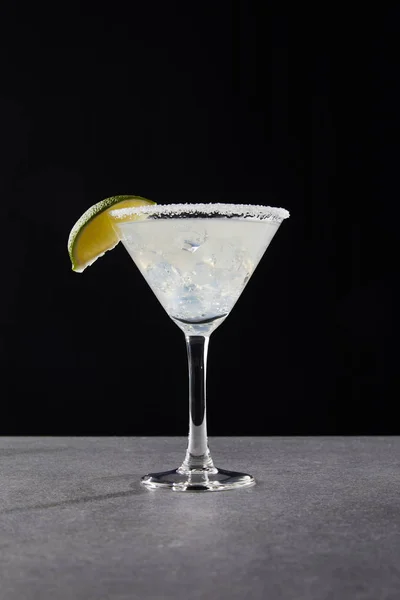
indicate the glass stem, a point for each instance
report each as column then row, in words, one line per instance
column 197, row 455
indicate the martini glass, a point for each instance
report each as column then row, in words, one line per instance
column 197, row 259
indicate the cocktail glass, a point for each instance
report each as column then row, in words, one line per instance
column 197, row 259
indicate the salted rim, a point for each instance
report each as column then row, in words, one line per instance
column 241, row 211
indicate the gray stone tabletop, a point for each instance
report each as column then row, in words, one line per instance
column 322, row 523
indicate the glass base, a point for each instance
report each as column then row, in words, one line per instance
column 198, row 480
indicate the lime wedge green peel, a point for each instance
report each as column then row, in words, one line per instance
column 93, row 234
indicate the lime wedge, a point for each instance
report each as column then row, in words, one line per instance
column 92, row 235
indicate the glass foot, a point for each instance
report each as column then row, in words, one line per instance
column 198, row 480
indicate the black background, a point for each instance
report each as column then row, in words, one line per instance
column 189, row 102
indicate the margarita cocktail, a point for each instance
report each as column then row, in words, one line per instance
column 197, row 259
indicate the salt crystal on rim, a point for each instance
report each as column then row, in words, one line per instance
column 241, row 211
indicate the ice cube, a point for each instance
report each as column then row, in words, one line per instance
column 163, row 277
column 190, row 246
column 190, row 241
column 203, row 274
